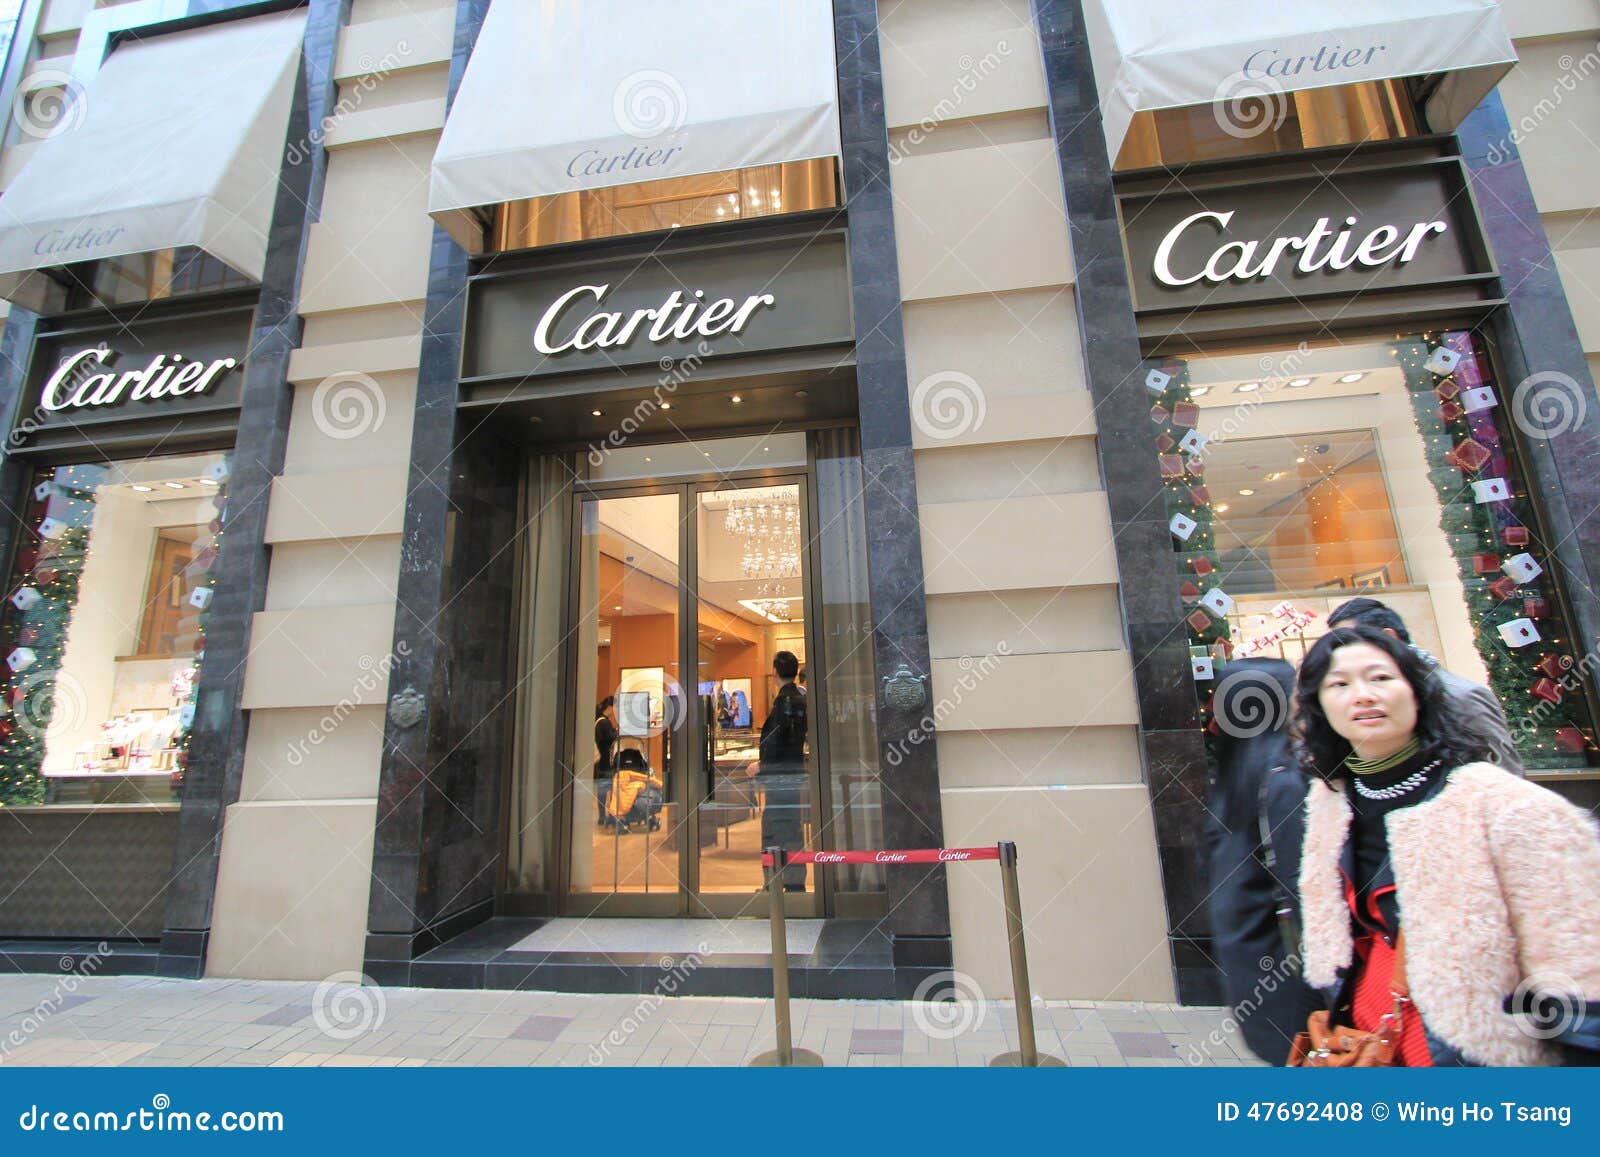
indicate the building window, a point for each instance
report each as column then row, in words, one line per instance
column 657, row 206
column 104, row 631
column 1284, row 122
column 153, row 276
column 1296, row 479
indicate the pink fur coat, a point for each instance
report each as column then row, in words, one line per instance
column 1498, row 883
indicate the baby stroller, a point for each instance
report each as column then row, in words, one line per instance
column 636, row 795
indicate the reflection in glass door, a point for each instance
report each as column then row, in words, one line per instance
column 625, row 819
column 756, row 745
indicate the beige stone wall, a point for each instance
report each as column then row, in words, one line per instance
column 1552, row 99
column 1037, row 733
column 317, row 680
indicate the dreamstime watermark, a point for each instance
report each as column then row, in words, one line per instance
column 347, row 405
column 1274, row 974
column 1245, row 105
column 674, row 973
column 49, row 103
column 649, row 103
column 48, row 699
column 972, row 72
column 1249, row 703
column 373, row 73
column 1549, row 403
column 973, row 672
column 348, row 1004
column 674, row 372
column 947, row 404
column 947, row 1005
column 1573, row 71
column 374, row 675
column 77, row 970
column 1549, row 1004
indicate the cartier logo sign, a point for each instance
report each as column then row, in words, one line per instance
column 91, row 377
column 1256, row 235
column 1324, row 246
column 680, row 315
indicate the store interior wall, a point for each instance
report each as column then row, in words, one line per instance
column 1038, row 744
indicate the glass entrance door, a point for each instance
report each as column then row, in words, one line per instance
column 693, row 739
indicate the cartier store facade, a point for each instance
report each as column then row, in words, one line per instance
column 523, row 460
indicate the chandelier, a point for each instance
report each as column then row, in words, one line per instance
column 767, row 525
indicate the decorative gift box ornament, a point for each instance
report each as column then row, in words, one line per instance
column 1450, row 411
column 1217, row 602
column 1188, row 592
column 1199, row 495
column 1221, row 650
column 51, row 528
column 1199, row 621
column 1570, row 740
column 1553, row 666
column 1491, row 490
column 1157, row 382
column 1536, row 608
column 1515, row 536
column 1197, row 467
column 1164, row 444
column 26, row 599
column 1182, row 526
column 1470, row 455
column 218, row 471
column 186, row 715
column 1480, row 398
column 1442, row 361
column 1194, row 442
column 1471, row 371
column 27, row 636
column 1201, row 565
column 1503, row 588
column 41, row 491
column 46, row 574
column 1548, row 690
column 1446, row 390
column 1522, row 567
column 1519, row 632
column 1159, row 414
column 200, row 597
column 1485, row 563
column 21, row 659
column 1171, row 465
column 1202, row 669
column 1185, row 414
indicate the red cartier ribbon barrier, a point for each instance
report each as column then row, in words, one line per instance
column 913, row 856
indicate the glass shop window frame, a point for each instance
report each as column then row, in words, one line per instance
column 1528, row 508
column 180, row 273
column 720, row 198
column 1276, row 125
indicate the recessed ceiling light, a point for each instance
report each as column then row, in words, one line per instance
column 1223, row 509
column 208, row 482
column 1348, row 378
column 174, row 485
column 647, row 458
column 1200, row 391
column 666, row 405
column 736, row 399
column 616, row 606
column 1246, row 492
column 1274, row 476
column 1247, row 387
column 143, row 489
column 595, row 413
column 802, row 393
column 1300, row 383
column 1300, row 459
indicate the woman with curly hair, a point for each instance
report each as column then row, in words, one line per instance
column 1495, row 881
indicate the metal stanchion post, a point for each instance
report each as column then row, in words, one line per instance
column 785, row 1055
column 1028, row 1056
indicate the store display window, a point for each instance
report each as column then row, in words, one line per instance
column 1298, row 478
column 103, row 631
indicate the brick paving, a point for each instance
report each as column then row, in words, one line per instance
column 142, row 1021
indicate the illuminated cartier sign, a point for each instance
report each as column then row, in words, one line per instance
column 84, row 379
column 678, row 317
column 1321, row 246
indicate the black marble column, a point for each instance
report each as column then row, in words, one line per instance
column 919, row 905
column 1535, row 335
column 216, row 748
column 1173, row 748
column 16, row 346
column 437, row 835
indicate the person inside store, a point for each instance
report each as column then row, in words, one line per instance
column 1252, row 854
column 1477, row 706
column 605, row 735
column 782, row 768
column 1440, row 895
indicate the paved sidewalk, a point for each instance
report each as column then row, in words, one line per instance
column 73, row 1020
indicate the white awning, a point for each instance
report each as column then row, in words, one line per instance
column 1154, row 54
column 561, row 97
column 177, row 140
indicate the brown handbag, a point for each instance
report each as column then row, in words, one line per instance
column 1325, row 1045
